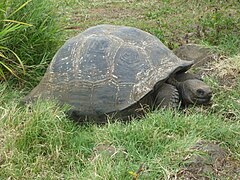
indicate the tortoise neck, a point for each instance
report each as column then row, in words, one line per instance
column 173, row 81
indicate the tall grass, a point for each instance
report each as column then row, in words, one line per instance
column 34, row 45
column 9, row 60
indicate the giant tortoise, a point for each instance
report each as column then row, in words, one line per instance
column 118, row 71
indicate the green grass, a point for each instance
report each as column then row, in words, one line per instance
column 174, row 22
column 35, row 45
column 9, row 60
column 40, row 142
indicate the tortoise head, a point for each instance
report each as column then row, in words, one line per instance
column 194, row 91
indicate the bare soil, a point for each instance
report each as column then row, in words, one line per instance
column 207, row 160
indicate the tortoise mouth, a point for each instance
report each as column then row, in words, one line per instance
column 202, row 100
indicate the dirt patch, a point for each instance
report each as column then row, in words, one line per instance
column 200, row 54
column 208, row 160
column 80, row 20
column 114, row 12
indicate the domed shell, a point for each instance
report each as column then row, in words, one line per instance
column 106, row 69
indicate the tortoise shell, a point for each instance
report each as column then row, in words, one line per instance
column 107, row 68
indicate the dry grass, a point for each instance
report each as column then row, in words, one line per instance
column 227, row 71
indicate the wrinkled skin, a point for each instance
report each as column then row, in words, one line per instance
column 185, row 88
column 194, row 91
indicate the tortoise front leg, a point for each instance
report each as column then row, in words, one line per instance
column 166, row 96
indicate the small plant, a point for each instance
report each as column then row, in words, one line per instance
column 29, row 35
column 214, row 22
column 220, row 29
column 9, row 60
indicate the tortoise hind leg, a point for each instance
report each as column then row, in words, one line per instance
column 166, row 96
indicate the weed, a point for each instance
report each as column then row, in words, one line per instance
column 214, row 23
column 35, row 44
column 9, row 60
column 220, row 29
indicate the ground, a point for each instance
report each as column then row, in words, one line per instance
column 148, row 16
column 199, row 142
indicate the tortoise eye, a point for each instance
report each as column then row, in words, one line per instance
column 200, row 92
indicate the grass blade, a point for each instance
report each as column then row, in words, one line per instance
column 23, row 5
column 2, row 55
column 17, row 22
column 18, row 59
column 2, row 74
column 1, row 10
column 9, row 69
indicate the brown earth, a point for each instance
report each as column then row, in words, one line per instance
column 208, row 160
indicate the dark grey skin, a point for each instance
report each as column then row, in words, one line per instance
column 184, row 88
